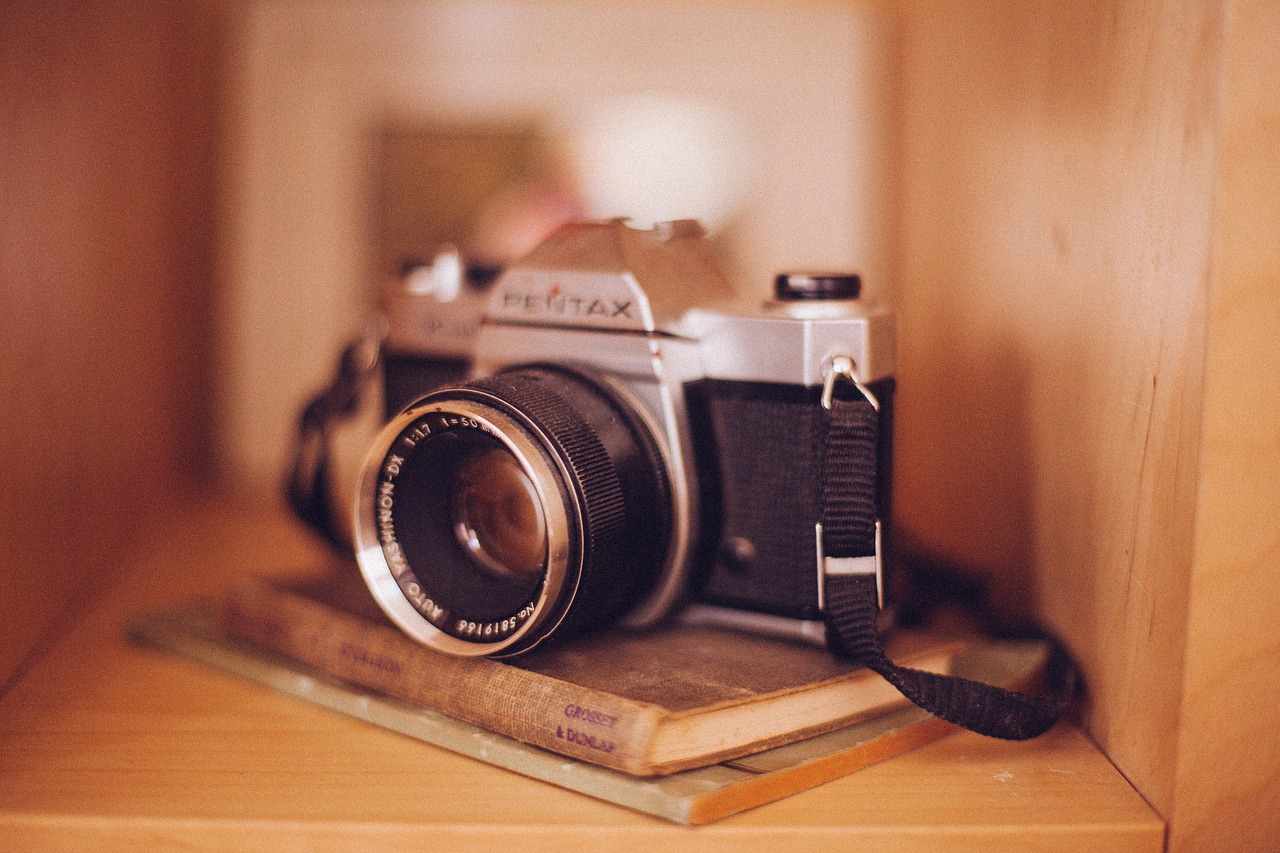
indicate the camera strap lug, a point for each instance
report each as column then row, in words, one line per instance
column 839, row 367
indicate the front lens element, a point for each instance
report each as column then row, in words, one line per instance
column 497, row 515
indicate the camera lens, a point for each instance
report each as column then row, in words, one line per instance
column 495, row 513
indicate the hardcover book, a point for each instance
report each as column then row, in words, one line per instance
column 648, row 704
column 325, row 643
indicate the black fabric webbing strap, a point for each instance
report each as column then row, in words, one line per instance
column 308, row 486
column 852, row 600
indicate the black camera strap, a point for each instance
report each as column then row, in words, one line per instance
column 852, row 593
column 309, row 483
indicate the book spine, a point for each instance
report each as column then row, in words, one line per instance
column 532, row 708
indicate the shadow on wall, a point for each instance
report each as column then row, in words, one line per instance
column 952, row 547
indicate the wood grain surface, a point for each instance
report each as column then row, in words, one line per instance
column 106, row 745
column 1090, row 342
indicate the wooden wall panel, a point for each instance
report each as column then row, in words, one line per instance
column 106, row 133
column 1228, row 774
column 1059, row 173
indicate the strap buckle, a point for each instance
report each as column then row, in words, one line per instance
column 872, row 565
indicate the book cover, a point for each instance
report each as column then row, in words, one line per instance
column 648, row 704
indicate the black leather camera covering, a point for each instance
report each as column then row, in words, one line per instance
column 759, row 449
column 407, row 377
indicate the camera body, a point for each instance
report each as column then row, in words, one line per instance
column 607, row 434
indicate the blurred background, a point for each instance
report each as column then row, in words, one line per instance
column 202, row 200
column 1071, row 207
column 364, row 132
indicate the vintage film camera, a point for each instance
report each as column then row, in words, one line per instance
column 605, row 434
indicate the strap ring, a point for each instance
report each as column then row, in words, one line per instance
column 843, row 367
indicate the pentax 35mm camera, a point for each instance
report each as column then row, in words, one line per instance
column 605, row 434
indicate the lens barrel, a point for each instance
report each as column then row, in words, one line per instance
column 495, row 513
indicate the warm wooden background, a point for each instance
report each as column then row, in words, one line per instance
column 107, row 126
column 1089, row 285
column 1228, row 759
column 1060, row 177
column 1090, row 299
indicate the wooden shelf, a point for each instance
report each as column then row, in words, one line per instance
column 106, row 745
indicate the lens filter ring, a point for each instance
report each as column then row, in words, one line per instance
column 411, row 555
